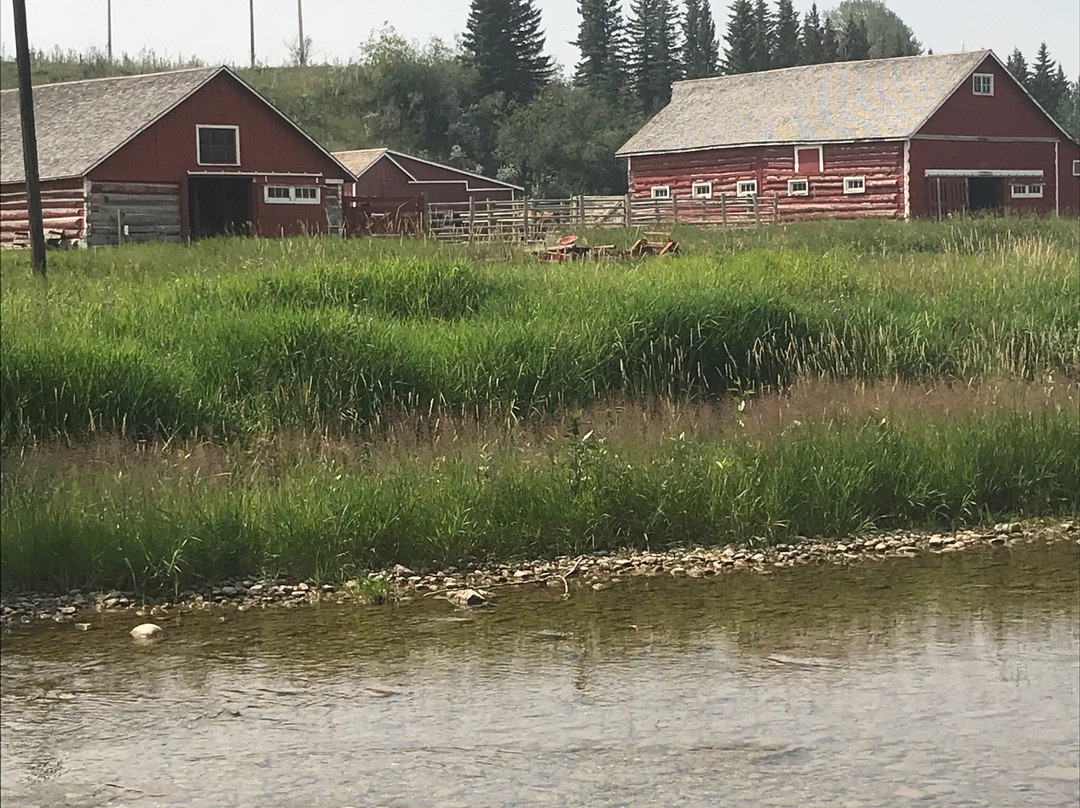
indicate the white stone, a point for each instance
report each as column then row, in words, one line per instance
column 146, row 631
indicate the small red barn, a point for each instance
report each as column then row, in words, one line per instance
column 912, row 136
column 393, row 174
column 168, row 156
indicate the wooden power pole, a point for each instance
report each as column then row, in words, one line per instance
column 303, row 46
column 108, row 13
column 29, row 140
column 251, row 12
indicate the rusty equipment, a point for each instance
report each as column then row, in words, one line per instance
column 567, row 248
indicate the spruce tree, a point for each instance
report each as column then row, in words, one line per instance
column 810, row 48
column 505, row 45
column 601, row 41
column 786, row 36
column 830, row 44
column 1018, row 66
column 739, row 53
column 761, row 49
column 1043, row 88
column 701, row 53
column 652, row 52
column 855, row 43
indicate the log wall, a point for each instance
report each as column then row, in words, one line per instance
column 125, row 212
column 63, row 208
column 881, row 163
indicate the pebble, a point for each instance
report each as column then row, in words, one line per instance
column 145, row 631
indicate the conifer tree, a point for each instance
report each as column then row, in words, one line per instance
column 652, row 52
column 810, row 47
column 855, row 43
column 1043, row 88
column 505, row 45
column 601, row 39
column 785, row 51
column 1018, row 66
column 739, row 53
column 830, row 44
column 701, row 52
column 761, row 49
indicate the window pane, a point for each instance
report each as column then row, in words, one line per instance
column 217, row 145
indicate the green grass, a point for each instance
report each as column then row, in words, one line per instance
column 165, row 522
column 240, row 338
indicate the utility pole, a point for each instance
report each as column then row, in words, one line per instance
column 108, row 11
column 251, row 10
column 29, row 139
column 303, row 47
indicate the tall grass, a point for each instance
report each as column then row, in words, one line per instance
column 166, row 521
column 242, row 338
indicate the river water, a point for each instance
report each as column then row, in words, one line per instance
column 944, row 680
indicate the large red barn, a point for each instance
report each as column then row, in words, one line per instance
column 169, row 156
column 912, row 136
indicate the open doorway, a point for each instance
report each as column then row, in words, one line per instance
column 985, row 194
column 219, row 206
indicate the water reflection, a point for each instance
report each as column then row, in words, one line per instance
column 945, row 680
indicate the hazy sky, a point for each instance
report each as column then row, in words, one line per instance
column 218, row 30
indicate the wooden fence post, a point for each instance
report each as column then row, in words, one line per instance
column 675, row 206
column 119, row 228
column 723, row 209
column 775, row 207
column 757, row 212
column 472, row 216
column 629, row 216
column 525, row 216
column 581, row 209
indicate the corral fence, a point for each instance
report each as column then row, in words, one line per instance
column 534, row 219
column 383, row 215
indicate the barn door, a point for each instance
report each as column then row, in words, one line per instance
column 948, row 196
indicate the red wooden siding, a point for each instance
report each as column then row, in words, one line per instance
column 436, row 183
column 63, row 207
column 881, row 164
column 272, row 152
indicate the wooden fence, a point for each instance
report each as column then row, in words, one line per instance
column 532, row 219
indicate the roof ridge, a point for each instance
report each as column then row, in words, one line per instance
column 982, row 51
column 125, row 76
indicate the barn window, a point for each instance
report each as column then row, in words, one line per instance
column 854, row 185
column 702, row 190
column 1033, row 191
column 982, row 84
column 286, row 194
column 746, row 188
column 1076, row 168
column 218, row 145
column 661, row 192
column 798, row 187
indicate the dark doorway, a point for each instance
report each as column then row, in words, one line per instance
column 984, row 193
column 219, row 206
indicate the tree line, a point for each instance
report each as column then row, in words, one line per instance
column 497, row 105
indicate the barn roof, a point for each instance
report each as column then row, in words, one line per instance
column 878, row 99
column 80, row 123
column 361, row 160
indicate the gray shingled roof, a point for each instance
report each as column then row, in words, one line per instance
column 79, row 123
column 880, row 99
column 359, row 160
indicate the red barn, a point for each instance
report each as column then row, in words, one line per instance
column 169, row 156
column 912, row 136
column 393, row 174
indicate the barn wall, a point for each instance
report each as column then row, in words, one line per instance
column 272, row 152
column 881, row 163
column 63, row 208
column 436, row 183
column 125, row 212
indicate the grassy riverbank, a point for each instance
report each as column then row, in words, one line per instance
column 234, row 339
column 171, row 415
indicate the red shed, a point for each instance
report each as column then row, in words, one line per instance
column 912, row 136
column 393, row 174
column 168, row 156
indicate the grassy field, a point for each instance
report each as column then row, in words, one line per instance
column 171, row 415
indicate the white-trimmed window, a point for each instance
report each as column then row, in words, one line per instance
column 1076, row 168
column 292, row 194
column 798, row 187
column 746, row 188
column 854, row 185
column 701, row 190
column 982, row 84
column 661, row 192
column 1029, row 191
column 217, row 145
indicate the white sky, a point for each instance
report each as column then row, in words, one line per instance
column 218, row 30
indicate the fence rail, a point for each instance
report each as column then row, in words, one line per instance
column 532, row 219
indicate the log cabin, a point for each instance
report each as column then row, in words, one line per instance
column 166, row 156
column 920, row 136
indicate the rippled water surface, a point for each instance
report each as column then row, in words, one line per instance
column 949, row 680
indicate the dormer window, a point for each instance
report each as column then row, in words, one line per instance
column 982, row 84
column 218, row 145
